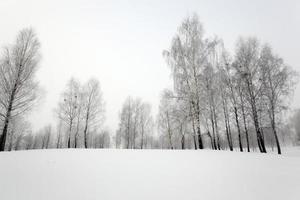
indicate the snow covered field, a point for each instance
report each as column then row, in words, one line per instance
column 148, row 174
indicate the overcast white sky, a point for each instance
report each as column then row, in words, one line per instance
column 121, row 42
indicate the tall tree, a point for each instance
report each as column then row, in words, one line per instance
column 278, row 81
column 187, row 57
column 18, row 88
column 93, row 107
column 247, row 65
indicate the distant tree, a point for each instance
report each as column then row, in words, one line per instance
column 102, row 139
column 28, row 141
column 68, row 109
column 118, row 138
column 126, row 121
column 145, row 123
column 93, row 107
column 47, row 133
column 165, row 121
column 295, row 124
column 135, row 123
column 59, row 141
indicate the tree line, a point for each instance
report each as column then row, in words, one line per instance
column 79, row 114
column 219, row 100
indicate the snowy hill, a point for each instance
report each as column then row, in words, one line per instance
column 147, row 174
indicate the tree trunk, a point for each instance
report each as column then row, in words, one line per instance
column 70, row 133
column 169, row 132
column 198, row 128
column 211, row 140
column 182, row 138
column 275, row 132
column 142, row 140
column 7, row 118
column 213, row 129
column 245, row 123
column 216, row 128
column 85, row 133
column 194, row 130
column 227, row 129
column 260, row 139
column 238, row 128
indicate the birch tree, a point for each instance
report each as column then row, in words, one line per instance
column 187, row 58
column 247, row 65
column 278, row 81
column 93, row 107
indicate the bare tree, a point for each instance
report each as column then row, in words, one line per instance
column 187, row 58
column 102, row 139
column 67, row 108
column 247, row 65
column 93, row 107
column 135, row 124
column 28, row 141
column 241, row 94
column 165, row 122
column 126, row 121
column 47, row 133
column 232, row 83
column 18, row 89
column 145, row 122
column 278, row 81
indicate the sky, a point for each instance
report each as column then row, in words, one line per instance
column 121, row 42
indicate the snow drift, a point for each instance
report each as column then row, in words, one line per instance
column 147, row 174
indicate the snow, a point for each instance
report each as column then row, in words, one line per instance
column 148, row 174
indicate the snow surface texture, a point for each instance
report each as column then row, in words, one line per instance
column 147, row 174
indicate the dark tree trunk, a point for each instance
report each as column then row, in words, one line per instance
column 277, row 141
column 216, row 129
column 195, row 142
column 86, row 128
column 260, row 139
column 69, row 137
column 245, row 124
column 274, row 131
column 194, row 134
column 7, row 118
column 182, row 142
column 85, row 136
column 211, row 140
column 213, row 130
column 238, row 128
